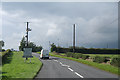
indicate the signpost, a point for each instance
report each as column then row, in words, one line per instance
column 27, row 53
column 27, row 50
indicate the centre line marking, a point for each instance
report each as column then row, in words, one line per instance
column 60, row 63
column 65, row 65
column 56, row 60
column 79, row 75
column 70, row 69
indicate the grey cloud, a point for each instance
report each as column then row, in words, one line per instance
column 75, row 9
column 53, row 21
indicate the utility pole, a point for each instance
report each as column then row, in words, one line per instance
column 27, row 30
column 27, row 33
column 74, row 38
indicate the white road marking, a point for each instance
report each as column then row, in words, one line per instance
column 79, row 75
column 70, row 69
column 65, row 65
column 60, row 63
column 56, row 60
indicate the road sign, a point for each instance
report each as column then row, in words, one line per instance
column 27, row 53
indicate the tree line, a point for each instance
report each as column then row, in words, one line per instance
column 84, row 50
column 35, row 48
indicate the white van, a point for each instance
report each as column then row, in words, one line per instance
column 44, row 54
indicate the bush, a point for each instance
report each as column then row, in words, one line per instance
column 115, row 61
column 3, row 50
column 5, row 53
column 85, row 57
column 73, row 55
column 69, row 54
column 80, row 55
column 99, row 59
column 107, row 59
column 77, row 55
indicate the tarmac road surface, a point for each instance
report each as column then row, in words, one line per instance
column 63, row 68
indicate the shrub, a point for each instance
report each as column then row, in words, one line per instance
column 69, row 54
column 99, row 59
column 115, row 61
column 76, row 55
column 73, row 55
column 85, row 57
column 80, row 55
column 3, row 50
column 107, row 59
column 5, row 53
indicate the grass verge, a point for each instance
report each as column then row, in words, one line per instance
column 105, row 67
column 0, row 72
column 103, row 55
column 38, row 52
column 17, row 68
column 93, row 55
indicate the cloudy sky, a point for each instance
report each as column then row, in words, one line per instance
column 96, row 23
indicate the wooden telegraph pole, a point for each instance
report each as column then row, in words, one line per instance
column 27, row 30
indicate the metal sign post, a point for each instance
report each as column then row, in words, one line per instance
column 27, row 51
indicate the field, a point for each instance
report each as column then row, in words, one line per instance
column 15, row 67
column 105, row 67
column 92, row 55
column 104, row 55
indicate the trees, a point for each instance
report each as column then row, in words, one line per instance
column 22, row 44
column 34, row 47
column 30, row 45
column 53, row 47
column 2, row 43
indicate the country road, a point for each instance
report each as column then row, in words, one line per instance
column 63, row 68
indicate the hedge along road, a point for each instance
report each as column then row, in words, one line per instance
column 63, row 68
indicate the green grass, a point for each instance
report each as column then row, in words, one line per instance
column 92, row 55
column 38, row 52
column 17, row 68
column 0, row 72
column 0, row 53
column 62, row 54
column 104, row 55
column 105, row 67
